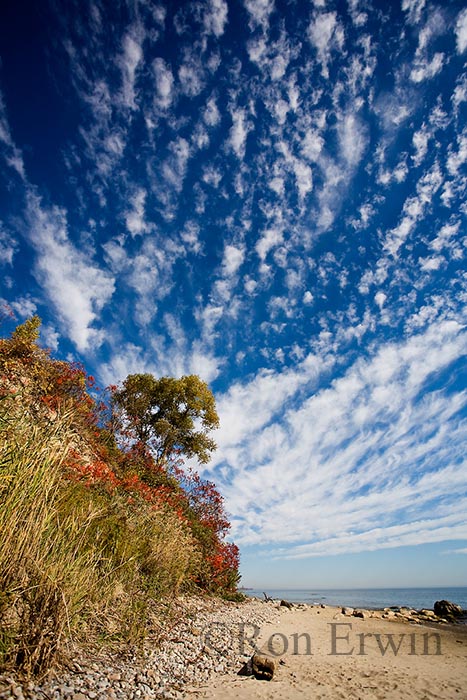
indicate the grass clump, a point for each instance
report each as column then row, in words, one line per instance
column 90, row 533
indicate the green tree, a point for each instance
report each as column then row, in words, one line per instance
column 169, row 414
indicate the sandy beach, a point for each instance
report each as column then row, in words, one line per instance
column 318, row 652
column 321, row 653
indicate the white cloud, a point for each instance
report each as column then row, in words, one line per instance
column 130, row 59
column 13, row 156
column 164, row 83
column 414, row 209
column 273, row 59
column 212, row 176
column 460, row 93
column 248, row 407
column 76, row 286
column 191, row 75
column 414, row 8
column 456, row 159
column 49, row 337
column 239, row 132
column 233, row 259
column 393, row 109
column 456, row 551
column 360, row 455
column 8, row 247
column 211, row 113
column 424, row 70
column 24, row 306
column 259, row 11
column 430, row 264
column 380, row 299
column 215, row 17
column 461, row 31
column 396, row 174
column 175, row 166
column 445, row 236
column 150, row 269
column 191, row 236
column 277, row 185
column 134, row 217
column 420, row 141
column 271, row 238
column 303, row 177
column 352, row 139
column 326, row 33
column 356, row 8
column 204, row 364
column 312, row 145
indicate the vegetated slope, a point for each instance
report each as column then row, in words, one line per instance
column 91, row 530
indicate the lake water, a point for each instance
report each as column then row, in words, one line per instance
column 370, row 598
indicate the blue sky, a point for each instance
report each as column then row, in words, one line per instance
column 270, row 194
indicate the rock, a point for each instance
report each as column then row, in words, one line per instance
column 246, row 669
column 388, row 614
column 359, row 613
column 444, row 608
column 286, row 604
column 347, row 611
column 427, row 613
column 322, row 606
column 263, row 667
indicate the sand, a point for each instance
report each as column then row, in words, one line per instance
column 334, row 661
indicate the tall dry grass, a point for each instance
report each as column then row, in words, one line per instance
column 75, row 562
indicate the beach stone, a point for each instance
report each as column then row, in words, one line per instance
column 444, row 608
column 286, row 604
column 347, row 611
column 427, row 613
column 360, row 613
column 263, row 667
column 160, row 670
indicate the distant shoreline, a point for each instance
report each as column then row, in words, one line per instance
column 367, row 598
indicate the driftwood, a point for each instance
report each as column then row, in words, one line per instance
column 267, row 598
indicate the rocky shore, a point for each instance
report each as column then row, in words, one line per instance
column 204, row 641
column 210, row 639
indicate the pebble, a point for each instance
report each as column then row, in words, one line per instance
column 206, row 641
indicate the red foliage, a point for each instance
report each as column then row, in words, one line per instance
column 128, row 467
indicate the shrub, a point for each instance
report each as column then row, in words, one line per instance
column 90, row 533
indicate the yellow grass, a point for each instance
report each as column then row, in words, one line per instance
column 74, row 561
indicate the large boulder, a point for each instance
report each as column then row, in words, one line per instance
column 444, row 608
